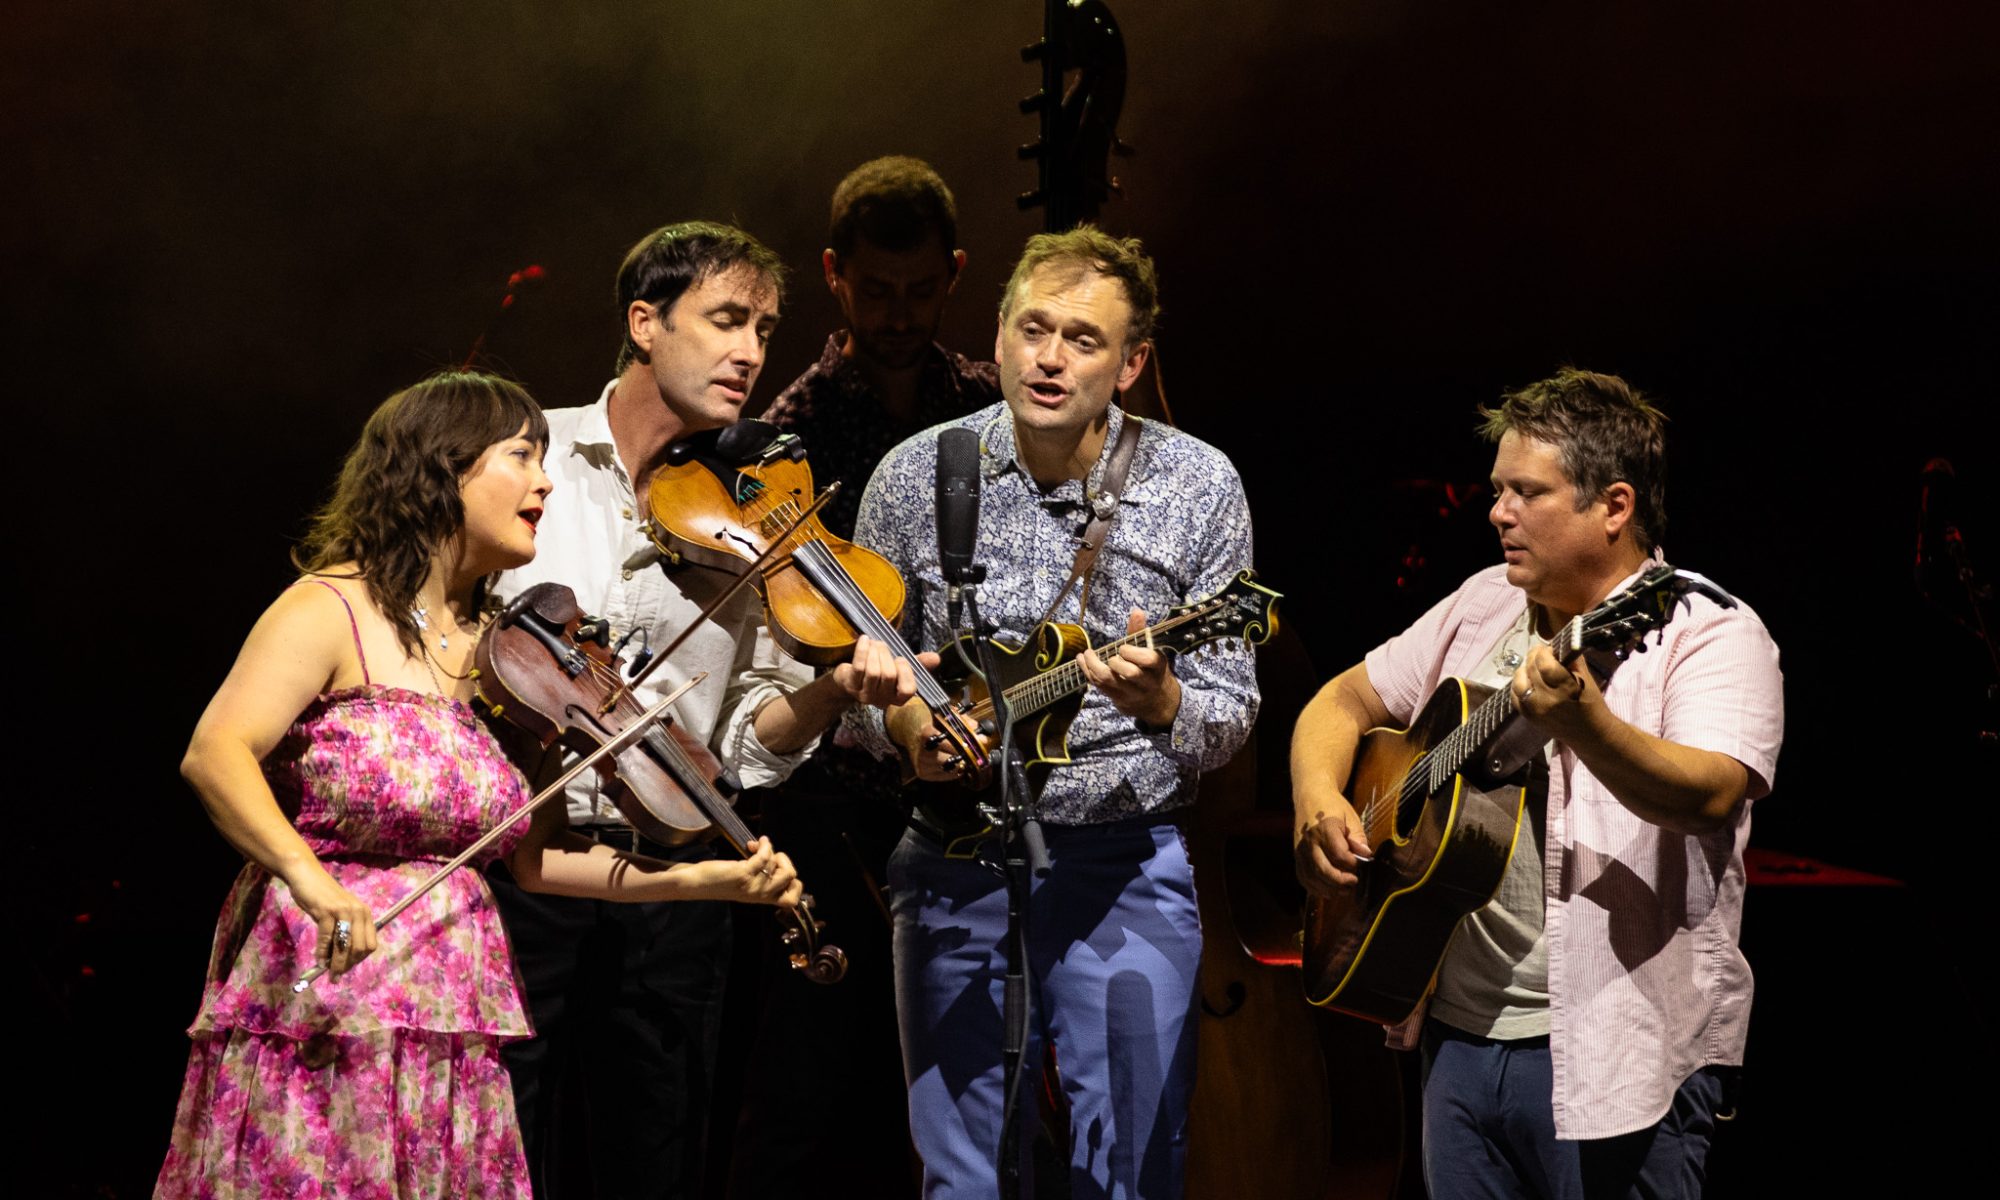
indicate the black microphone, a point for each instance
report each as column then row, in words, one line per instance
column 957, row 504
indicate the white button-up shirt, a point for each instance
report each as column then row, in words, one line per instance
column 590, row 526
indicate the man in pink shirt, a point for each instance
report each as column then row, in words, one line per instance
column 1583, row 1023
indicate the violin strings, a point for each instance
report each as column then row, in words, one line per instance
column 691, row 778
column 845, row 593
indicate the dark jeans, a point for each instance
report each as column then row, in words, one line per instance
column 627, row 1005
column 1489, row 1130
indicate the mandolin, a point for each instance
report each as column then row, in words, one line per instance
column 1441, row 803
column 1044, row 685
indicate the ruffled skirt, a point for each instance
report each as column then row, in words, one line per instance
column 384, row 1082
column 395, row 1113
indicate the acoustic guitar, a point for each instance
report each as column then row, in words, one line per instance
column 1441, row 802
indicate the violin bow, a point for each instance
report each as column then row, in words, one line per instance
column 616, row 745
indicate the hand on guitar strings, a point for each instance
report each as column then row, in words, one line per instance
column 1553, row 696
column 1329, row 848
column 1139, row 681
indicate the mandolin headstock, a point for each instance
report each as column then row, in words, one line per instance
column 1245, row 609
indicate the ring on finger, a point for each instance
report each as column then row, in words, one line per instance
column 343, row 934
column 1527, row 691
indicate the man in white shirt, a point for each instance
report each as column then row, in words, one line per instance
column 626, row 998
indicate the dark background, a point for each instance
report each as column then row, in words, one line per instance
column 235, row 231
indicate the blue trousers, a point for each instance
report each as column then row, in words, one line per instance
column 1114, row 956
column 1490, row 1133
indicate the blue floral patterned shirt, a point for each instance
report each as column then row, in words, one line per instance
column 1181, row 533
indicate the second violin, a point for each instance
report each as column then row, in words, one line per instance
column 727, row 498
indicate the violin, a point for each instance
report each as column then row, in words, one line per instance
column 548, row 670
column 744, row 494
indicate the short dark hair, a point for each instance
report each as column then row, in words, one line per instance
column 892, row 203
column 1606, row 430
column 397, row 502
column 1092, row 249
column 673, row 258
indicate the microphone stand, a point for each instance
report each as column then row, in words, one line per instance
column 1024, row 857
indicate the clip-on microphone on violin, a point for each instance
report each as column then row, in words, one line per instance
column 638, row 661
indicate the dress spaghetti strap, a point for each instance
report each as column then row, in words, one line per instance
column 352, row 624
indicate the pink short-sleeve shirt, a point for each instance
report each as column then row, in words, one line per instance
column 1646, row 982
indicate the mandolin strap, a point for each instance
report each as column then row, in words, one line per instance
column 1104, row 506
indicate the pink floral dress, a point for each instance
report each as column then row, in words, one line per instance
column 386, row 1081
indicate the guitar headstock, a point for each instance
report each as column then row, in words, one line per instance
column 1621, row 623
column 1245, row 609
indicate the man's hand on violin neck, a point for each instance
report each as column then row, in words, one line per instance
column 875, row 676
column 929, row 753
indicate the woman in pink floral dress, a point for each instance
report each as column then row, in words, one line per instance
column 341, row 758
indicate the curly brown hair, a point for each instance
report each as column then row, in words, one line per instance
column 397, row 502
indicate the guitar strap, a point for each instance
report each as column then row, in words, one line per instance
column 1103, row 506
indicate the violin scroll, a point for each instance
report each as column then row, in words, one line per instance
column 822, row 962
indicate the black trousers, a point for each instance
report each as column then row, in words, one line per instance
column 613, row 1090
column 824, row 1083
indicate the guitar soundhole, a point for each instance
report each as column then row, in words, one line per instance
column 1407, row 812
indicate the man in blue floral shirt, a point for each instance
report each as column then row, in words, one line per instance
column 1115, row 943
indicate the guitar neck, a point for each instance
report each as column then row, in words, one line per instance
column 1450, row 756
column 1032, row 695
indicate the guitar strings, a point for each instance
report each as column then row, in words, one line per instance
column 1440, row 763
column 1032, row 695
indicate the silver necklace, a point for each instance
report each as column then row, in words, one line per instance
column 422, row 616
